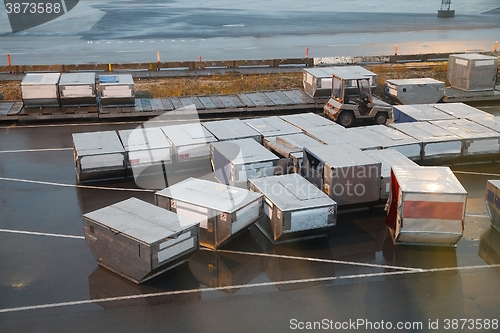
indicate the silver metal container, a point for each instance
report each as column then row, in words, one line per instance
column 116, row 90
column 149, row 152
column 426, row 206
column 77, row 89
column 191, row 144
column 294, row 208
column 305, row 121
column 418, row 112
column 329, row 135
column 477, row 139
column 460, row 110
column 493, row 202
column 272, row 126
column 472, row 71
column 487, row 121
column 138, row 240
column 291, row 146
column 236, row 161
column 40, row 89
column 437, row 142
column 221, row 210
column 389, row 158
column 344, row 172
column 413, row 91
column 99, row 156
column 232, row 129
column 388, row 137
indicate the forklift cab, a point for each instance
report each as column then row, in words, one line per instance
column 352, row 99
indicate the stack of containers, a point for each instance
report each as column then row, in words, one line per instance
column 426, row 206
column 294, row 208
column 221, row 210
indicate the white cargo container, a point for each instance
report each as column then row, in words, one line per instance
column 294, row 208
column 437, row 142
column 272, row 126
column 291, row 146
column 99, row 156
column 493, row 202
column 472, row 71
column 139, row 240
column 305, row 121
column 232, row 129
column 426, row 206
column 344, row 172
column 389, row 158
column 477, row 139
column 191, row 144
column 148, row 151
column 418, row 112
column 77, row 89
column 40, row 89
column 236, row 161
column 391, row 138
column 116, row 90
column 413, row 91
column 221, row 210
column 329, row 135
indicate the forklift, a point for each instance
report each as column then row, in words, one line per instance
column 352, row 101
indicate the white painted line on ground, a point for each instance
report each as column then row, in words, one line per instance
column 478, row 215
column 77, row 186
column 40, row 234
column 331, row 261
column 247, row 286
column 478, row 173
column 33, row 150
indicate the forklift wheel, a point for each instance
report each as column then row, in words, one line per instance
column 380, row 118
column 346, row 119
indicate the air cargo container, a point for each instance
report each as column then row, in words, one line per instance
column 232, row 129
column 472, row 71
column 426, row 206
column 412, row 91
column 236, row 161
column 487, row 121
column 272, row 126
column 291, row 146
column 389, row 158
column 493, row 202
column 329, row 135
column 344, row 172
column 77, row 89
column 99, row 156
column 477, row 139
column 221, row 210
column 437, row 142
column 294, row 208
column 191, row 145
column 148, row 151
column 418, row 112
column 40, row 89
column 305, row 121
column 139, row 240
column 116, row 90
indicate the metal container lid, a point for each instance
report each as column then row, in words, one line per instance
column 188, row 134
column 467, row 129
column 144, row 139
column 97, row 143
column 389, row 158
column 68, row 79
column 415, row 81
column 341, row 155
column 230, row 129
column 244, row 151
column 210, row 194
column 292, row 192
column 298, row 141
column 272, row 126
column 35, row 79
column 426, row 132
column 495, row 182
column 140, row 220
column 473, row 56
column 432, row 180
column 460, row 110
column 121, row 79
column 307, row 120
